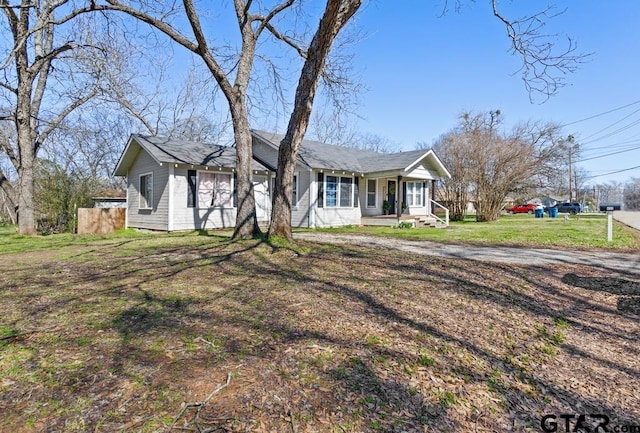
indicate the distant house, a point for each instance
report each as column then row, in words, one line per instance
column 184, row 185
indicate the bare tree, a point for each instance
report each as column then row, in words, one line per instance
column 454, row 192
column 487, row 164
column 253, row 20
column 44, row 78
column 631, row 193
column 336, row 14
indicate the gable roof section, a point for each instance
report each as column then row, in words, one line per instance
column 173, row 151
column 316, row 154
column 320, row 155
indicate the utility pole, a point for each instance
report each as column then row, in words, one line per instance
column 570, row 147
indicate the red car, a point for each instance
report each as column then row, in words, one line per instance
column 522, row 208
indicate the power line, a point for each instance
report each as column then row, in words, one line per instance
column 613, row 172
column 611, row 126
column 607, row 154
column 601, row 114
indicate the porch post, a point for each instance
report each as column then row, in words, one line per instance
column 399, row 197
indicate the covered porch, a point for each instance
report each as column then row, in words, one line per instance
column 439, row 220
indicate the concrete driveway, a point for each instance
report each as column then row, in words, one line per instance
column 625, row 262
column 630, row 218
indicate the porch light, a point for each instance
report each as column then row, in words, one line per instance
column 206, row 168
column 175, row 165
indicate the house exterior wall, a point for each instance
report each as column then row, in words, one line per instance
column 300, row 212
column 196, row 218
column 331, row 216
column 155, row 218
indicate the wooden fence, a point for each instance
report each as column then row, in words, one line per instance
column 100, row 221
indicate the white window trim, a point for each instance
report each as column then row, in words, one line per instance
column 231, row 185
column 416, row 195
column 149, row 199
column 338, row 176
column 375, row 194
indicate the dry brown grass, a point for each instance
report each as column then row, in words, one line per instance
column 117, row 336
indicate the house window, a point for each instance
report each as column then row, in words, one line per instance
column 146, row 191
column 414, row 193
column 338, row 191
column 371, row 192
column 214, row 190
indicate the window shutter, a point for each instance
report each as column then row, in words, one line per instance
column 320, row 189
column 235, row 189
column 404, row 194
column 424, row 193
column 356, row 185
column 193, row 188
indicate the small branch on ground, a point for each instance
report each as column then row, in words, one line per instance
column 292, row 420
column 199, row 405
column 22, row 335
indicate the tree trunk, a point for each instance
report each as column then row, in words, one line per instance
column 26, row 207
column 246, row 220
column 336, row 15
column 281, row 209
column 9, row 199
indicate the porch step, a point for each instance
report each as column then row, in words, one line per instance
column 391, row 220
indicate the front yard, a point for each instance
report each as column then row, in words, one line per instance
column 117, row 334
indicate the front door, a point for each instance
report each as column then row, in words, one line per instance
column 391, row 196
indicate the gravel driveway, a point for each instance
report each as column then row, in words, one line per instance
column 626, row 262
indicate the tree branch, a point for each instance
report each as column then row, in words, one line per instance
column 8, row 87
column 61, row 116
column 543, row 68
column 286, row 40
column 203, row 50
column 275, row 11
column 47, row 58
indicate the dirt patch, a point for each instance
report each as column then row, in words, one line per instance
column 343, row 338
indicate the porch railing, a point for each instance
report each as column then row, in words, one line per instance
column 440, row 212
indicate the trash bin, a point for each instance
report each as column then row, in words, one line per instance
column 539, row 213
column 553, row 212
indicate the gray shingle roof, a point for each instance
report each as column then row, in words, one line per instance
column 326, row 156
column 187, row 152
column 174, row 151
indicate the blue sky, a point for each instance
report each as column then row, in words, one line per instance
column 422, row 69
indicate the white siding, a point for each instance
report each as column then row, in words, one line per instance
column 186, row 218
column 155, row 218
column 336, row 217
column 300, row 213
column 420, row 172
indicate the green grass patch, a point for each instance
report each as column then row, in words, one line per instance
column 585, row 231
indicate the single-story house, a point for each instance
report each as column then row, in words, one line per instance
column 184, row 185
